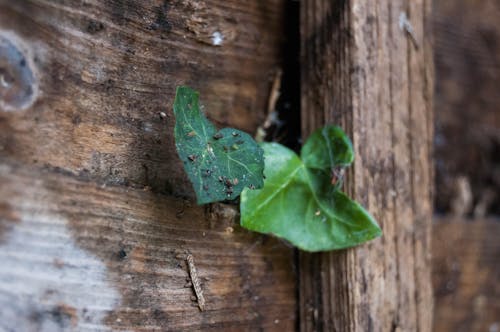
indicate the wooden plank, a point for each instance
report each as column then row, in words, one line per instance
column 94, row 203
column 364, row 72
column 466, row 274
column 105, row 70
column 76, row 255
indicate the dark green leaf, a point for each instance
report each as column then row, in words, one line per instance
column 218, row 163
column 299, row 202
column 326, row 148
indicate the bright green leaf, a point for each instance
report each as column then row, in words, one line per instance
column 299, row 202
column 218, row 163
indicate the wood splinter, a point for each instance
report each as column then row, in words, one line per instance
column 405, row 25
column 195, row 282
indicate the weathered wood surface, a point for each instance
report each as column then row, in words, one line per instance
column 362, row 71
column 106, row 69
column 90, row 214
column 80, row 255
column 466, row 275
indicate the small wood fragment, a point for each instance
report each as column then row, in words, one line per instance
column 271, row 106
column 405, row 25
column 196, row 282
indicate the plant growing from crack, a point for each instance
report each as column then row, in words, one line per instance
column 299, row 199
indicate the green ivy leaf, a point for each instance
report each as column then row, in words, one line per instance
column 220, row 164
column 299, row 202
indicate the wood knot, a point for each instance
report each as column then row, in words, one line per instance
column 18, row 85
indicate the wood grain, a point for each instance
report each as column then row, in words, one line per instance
column 94, row 202
column 92, row 257
column 106, row 69
column 362, row 71
column 466, row 274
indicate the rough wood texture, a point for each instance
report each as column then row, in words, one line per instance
column 362, row 71
column 84, row 256
column 466, row 275
column 90, row 214
column 104, row 70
